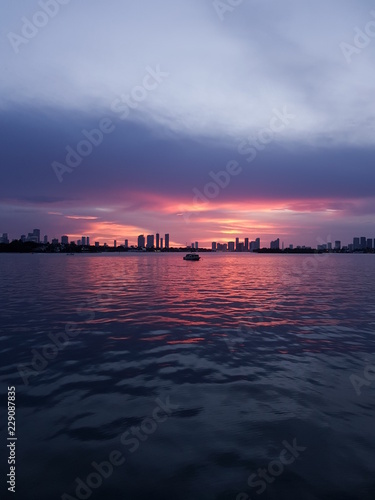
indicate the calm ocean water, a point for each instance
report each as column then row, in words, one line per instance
column 236, row 377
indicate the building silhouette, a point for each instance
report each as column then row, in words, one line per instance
column 34, row 236
column 275, row 245
column 150, row 241
column 36, row 232
column 167, row 240
column 141, row 241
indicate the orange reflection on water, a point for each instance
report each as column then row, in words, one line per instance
column 187, row 341
column 151, row 339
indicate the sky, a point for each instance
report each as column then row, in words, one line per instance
column 208, row 120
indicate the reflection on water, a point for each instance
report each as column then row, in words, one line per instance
column 252, row 350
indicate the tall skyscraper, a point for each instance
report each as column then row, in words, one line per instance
column 126, row 244
column 337, row 245
column 214, row 245
column 88, row 241
column 167, row 240
column 45, row 241
column 363, row 243
column 231, row 246
column 356, row 244
column 4, row 238
column 36, row 233
column 275, row 245
column 150, row 241
column 369, row 244
column 161, row 243
column 64, row 240
column 196, row 245
column 246, row 244
column 83, row 240
column 257, row 243
column 157, row 240
column 114, row 244
column 141, row 241
column 237, row 243
column 34, row 236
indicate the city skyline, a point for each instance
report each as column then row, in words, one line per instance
column 239, row 244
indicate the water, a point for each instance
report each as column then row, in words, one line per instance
column 248, row 352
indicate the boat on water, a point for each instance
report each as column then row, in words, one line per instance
column 192, row 256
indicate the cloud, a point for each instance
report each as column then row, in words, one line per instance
column 225, row 79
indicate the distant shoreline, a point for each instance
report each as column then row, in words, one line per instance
column 35, row 248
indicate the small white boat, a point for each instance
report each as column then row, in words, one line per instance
column 192, row 256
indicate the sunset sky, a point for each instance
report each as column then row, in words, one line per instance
column 278, row 93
